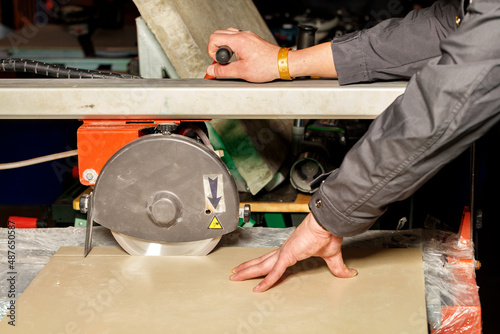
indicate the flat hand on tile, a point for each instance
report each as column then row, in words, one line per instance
column 309, row 239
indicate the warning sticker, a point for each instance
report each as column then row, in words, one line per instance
column 214, row 193
column 215, row 224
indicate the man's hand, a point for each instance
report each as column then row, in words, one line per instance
column 257, row 59
column 309, row 239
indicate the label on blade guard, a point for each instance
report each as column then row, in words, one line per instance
column 214, row 193
column 215, row 224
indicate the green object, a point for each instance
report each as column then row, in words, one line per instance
column 325, row 129
column 274, row 220
column 251, row 223
column 81, row 222
column 62, row 209
column 257, row 148
column 218, row 145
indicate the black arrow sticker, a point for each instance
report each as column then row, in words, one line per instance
column 213, row 189
column 213, row 186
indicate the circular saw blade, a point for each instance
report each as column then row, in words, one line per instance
column 136, row 246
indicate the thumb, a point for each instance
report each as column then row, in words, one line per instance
column 338, row 267
column 223, row 71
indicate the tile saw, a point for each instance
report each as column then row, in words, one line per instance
column 157, row 185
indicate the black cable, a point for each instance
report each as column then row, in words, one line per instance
column 57, row 71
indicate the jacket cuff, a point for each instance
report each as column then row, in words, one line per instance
column 332, row 220
column 349, row 59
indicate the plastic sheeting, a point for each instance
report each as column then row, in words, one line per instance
column 450, row 286
column 451, row 292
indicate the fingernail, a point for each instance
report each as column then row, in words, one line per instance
column 233, row 271
column 231, row 277
column 210, row 70
column 355, row 273
column 256, row 288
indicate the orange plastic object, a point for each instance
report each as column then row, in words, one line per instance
column 465, row 316
column 98, row 140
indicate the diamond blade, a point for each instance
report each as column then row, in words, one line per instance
column 136, row 246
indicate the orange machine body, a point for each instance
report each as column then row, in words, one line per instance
column 98, row 140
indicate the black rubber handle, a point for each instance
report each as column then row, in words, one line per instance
column 223, row 54
column 306, row 36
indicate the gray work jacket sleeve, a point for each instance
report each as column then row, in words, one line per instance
column 395, row 48
column 447, row 105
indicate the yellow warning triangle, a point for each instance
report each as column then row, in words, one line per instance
column 215, row 224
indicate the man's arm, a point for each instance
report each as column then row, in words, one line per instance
column 451, row 103
column 257, row 59
column 448, row 105
column 395, row 48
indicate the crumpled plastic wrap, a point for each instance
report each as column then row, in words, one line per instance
column 451, row 292
column 385, row 239
column 256, row 237
column 450, row 287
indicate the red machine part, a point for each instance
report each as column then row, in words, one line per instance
column 465, row 316
column 25, row 222
column 98, row 140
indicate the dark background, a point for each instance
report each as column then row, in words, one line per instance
column 30, row 191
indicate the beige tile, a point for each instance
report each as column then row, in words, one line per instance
column 127, row 294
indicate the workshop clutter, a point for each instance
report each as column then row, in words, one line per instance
column 264, row 154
